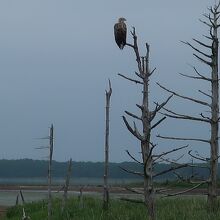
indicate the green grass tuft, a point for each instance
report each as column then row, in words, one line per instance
column 181, row 208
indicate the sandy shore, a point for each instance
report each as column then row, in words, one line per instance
column 95, row 189
column 116, row 191
column 59, row 188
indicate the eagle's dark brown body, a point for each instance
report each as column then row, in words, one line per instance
column 120, row 31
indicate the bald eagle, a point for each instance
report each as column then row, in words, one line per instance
column 120, row 31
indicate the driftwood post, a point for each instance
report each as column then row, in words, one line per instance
column 106, row 171
column 24, row 216
column 80, row 198
column 66, row 186
column 22, row 197
column 51, row 145
column 210, row 59
column 17, row 200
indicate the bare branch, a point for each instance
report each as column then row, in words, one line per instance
column 132, row 115
column 136, row 129
column 169, row 152
column 183, row 139
column 130, row 45
column 131, row 171
column 139, row 106
column 210, row 38
column 132, row 200
column 135, row 47
column 208, row 16
column 157, row 123
column 184, row 191
column 180, row 157
column 197, row 50
column 147, row 160
column 133, row 157
column 181, row 116
column 196, row 77
column 41, row 147
column 185, row 97
column 189, row 165
column 180, row 177
column 197, row 72
column 170, row 169
column 202, row 60
column 204, row 22
column 134, row 191
column 152, row 72
column 130, row 79
column 109, row 92
column 139, row 75
column 206, row 117
column 162, row 190
column 202, row 44
column 205, row 93
column 196, row 157
column 210, row 19
column 193, row 77
column 159, row 107
column 133, row 131
column 217, row 6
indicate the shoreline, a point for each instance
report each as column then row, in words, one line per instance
column 92, row 188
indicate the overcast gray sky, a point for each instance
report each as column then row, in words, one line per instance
column 56, row 57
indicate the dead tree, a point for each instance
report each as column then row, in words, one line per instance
column 51, row 145
column 210, row 59
column 147, row 123
column 66, row 186
column 50, row 157
column 106, row 171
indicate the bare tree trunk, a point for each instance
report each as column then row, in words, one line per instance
column 145, row 145
column 212, row 189
column 146, row 121
column 68, row 175
column 106, row 171
column 51, row 139
column 146, row 118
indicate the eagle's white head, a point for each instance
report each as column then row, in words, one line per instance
column 120, row 20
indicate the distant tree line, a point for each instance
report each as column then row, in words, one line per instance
column 38, row 168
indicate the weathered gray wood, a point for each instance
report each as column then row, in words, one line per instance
column 212, row 188
column 24, row 216
column 66, row 186
column 17, row 199
column 22, row 197
column 51, row 145
column 106, row 170
column 81, row 205
column 147, row 125
column 145, row 135
column 213, row 142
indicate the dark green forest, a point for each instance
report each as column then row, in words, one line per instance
column 38, row 168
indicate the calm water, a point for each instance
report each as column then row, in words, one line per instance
column 8, row 197
column 60, row 181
